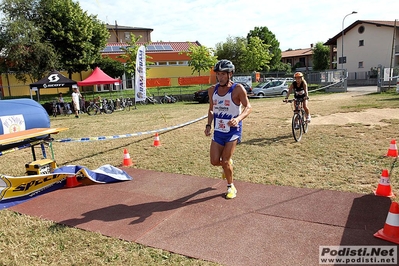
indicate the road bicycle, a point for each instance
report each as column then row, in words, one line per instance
column 299, row 121
column 168, row 99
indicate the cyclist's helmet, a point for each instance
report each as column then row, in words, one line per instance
column 298, row 75
column 224, row 66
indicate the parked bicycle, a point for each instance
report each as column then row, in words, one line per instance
column 168, row 99
column 149, row 100
column 123, row 104
column 100, row 106
column 299, row 122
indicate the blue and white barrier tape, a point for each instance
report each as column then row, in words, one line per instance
column 86, row 139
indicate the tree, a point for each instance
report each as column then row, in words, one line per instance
column 274, row 45
column 201, row 58
column 320, row 57
column 256, row 55
column 48, row 34
column 130, row 54
column 77, row 37
column 112, row 67
column 234, row 50
column 25, row 53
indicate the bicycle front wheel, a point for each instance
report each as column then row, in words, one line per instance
column 108, row 110
column 296, row 127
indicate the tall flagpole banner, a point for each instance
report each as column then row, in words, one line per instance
column 140, row 75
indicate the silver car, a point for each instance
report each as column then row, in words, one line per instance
column 272, row 87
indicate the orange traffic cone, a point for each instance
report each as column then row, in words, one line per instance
column 156, row 140
column 127, row 161
column 384, row 186
column 390, row 232
column 72, row 181
column 393, row 149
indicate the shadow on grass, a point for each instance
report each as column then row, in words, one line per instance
column 267, row 141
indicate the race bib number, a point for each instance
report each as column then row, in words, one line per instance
column 221, row 125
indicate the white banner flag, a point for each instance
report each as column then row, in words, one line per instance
column 140, row 75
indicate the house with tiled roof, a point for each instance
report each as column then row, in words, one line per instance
column 300, row 58
column 364, row 45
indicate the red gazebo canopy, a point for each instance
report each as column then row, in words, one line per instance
column 98, row 77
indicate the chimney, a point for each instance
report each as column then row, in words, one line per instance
column 311, row 45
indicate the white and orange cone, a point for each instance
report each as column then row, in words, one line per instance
column 393, row 149
column 384, row 186
column 390, row 232
column 156, row 140
column 127, row 161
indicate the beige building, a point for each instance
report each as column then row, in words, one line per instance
column 366, row 45
column 121, row 34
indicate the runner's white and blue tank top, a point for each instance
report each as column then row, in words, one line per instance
column 224, row 109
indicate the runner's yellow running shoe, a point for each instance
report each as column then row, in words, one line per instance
column 231, row 192
column 223, row 175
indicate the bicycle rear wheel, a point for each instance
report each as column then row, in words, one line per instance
column 91, row 110
column 304, row 122
column 164, row 100
column 296, row 127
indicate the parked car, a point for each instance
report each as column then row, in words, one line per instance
column 272, row 87
column 201, row 96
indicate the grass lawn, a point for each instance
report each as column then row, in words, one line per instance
column 345, row 157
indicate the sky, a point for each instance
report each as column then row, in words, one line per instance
column 296, row 24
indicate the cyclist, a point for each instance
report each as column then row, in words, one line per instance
column 226, row 115
column 300, row 88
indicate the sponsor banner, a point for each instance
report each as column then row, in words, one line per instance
column 21, row 186
column 12, row 123
column 372, row 255
column 31, row 185
column 140, row 75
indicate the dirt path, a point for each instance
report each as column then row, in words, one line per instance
column 369, row 117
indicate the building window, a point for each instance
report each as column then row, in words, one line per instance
column 302, row 61
column 360, row 29
column 171, row 63
column 361, row 43
column 361, row 64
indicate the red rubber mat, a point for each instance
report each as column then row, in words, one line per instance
column 188, row 215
